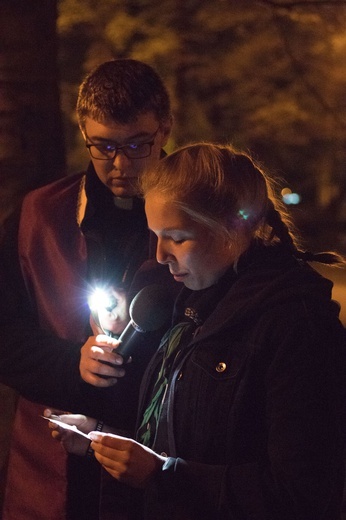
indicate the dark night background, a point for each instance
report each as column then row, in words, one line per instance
column 267, row 76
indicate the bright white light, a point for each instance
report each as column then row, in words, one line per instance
column 99, row 299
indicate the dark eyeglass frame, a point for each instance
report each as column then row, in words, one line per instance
column 123, row 148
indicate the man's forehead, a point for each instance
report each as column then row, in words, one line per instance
column 111, row 130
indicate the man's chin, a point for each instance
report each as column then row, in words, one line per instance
column 123, row 193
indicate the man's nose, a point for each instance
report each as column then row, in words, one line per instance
column 120, row 160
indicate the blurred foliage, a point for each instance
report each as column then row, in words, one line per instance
column 268, row 76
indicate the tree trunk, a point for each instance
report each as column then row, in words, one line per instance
column 31, row 137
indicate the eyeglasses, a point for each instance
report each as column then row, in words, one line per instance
column 108, row 151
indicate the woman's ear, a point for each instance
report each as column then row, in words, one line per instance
column 240, row 237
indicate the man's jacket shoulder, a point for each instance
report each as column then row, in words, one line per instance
column 55, row 196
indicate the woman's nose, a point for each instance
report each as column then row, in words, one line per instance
column 162, row 255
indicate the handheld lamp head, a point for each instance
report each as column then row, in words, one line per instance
column 100, row 300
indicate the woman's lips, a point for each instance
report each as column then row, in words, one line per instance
column 178, row 277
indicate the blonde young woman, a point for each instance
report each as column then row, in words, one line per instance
column 241, row 407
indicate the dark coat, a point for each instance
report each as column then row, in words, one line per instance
column 255, row 401
column 45, row 277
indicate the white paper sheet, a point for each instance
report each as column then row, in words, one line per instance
column 65, row 426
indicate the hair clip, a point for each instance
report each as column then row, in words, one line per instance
column 243, row 214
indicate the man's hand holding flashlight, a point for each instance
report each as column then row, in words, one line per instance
column 109, row 310
column 99, row 364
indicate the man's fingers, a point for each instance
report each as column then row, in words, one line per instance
column 100, row 365
column 101, row 369
column 54, row 414
column 95, row 380
column 106, row 354
column 56, row 434
column 104, row 340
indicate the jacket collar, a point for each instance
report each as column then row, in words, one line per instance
column 267, row 276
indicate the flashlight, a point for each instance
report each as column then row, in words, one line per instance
column 99, row 300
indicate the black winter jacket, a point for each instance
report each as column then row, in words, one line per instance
column 255, row 402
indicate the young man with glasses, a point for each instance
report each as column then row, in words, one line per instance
column 75, row 234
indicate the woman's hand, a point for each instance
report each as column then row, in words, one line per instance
column 125, row 459
column 71, row 442
column 99, row 364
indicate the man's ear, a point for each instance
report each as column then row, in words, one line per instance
column 166, row 129
column 82, row 129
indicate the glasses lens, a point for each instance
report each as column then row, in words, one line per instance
column 132, row 151
column 102, row 152
column 137, row 151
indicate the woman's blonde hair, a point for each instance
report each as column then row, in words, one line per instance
column 226, row 191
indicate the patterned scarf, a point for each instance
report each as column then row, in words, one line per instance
column 191, row 310
column 170, row 342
